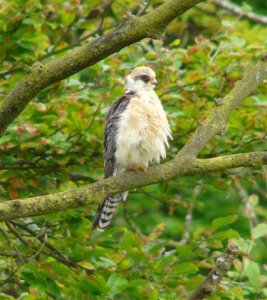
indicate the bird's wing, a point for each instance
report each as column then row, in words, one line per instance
column 107, row 208
column 111, row 130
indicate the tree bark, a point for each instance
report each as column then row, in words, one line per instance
column 222, row 266
column 237, row 10
column 131, row 30
column 96, row 192
column 185, row 163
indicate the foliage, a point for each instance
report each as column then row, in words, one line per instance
column 150, row 252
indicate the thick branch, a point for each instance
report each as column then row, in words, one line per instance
column 184, row 164
column 222, row 266
column 237, row 10
column 217, row 119
column 96, row 192
column 131, row 30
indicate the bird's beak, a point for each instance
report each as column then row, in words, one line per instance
column 155, row 82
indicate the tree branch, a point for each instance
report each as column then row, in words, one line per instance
column 237, row 10
column 184, row 164
column 131, row 30
column 222, row 266
column 96, row 192
column 217, row 119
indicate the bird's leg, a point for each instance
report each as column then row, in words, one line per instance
column 136, row 168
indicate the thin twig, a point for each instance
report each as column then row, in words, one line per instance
column 189, row 215
column 12, row 245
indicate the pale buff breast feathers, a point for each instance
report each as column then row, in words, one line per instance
column 143, row 131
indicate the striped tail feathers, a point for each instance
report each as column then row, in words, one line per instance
column 106, row 212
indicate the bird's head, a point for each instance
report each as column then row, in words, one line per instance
column 141, row 78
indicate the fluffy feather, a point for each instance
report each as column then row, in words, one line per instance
column 136, row 134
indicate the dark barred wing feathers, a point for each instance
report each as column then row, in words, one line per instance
column 107, row 209
column 111, row 132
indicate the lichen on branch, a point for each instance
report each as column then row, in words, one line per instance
column 130, row 31
column 222, row 266
column 185, row 163
column 217, row 119
column 96, row 192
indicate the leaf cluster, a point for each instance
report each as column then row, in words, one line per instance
column 154, row 250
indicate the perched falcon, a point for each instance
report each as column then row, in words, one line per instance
column 136, row 134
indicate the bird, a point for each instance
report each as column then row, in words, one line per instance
column 136, row 135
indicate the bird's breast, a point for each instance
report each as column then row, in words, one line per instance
column 143, row 130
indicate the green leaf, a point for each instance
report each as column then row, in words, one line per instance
column 175, row 43
column 27, row 297
column 244, row 245
column 116, row 283
column 245, row 8
column 227, row 234
column 238, row 292
column 252, row 271
column 185, row 268
column 4, row 296
column 259, row 231
column 185, row 252
column 228, row 23
column 253, row 199
column 4, row 139
column 67, row 17
column 223, row 221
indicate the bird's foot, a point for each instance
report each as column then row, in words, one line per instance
column 137, row 168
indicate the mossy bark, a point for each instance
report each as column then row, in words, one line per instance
column 184, row 164
column 96, row 192
column 217, row 120
column 131, row 30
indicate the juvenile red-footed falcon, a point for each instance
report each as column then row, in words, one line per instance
column 136, row 134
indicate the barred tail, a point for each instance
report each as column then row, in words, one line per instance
column 106, row 211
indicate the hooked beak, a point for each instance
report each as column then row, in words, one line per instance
column 155, row 82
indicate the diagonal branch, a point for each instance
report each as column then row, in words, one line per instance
column 237, row 10
column 131, row 30
column 96, row 192
column 184, row 164
column 217, row 119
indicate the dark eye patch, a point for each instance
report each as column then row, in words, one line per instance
column 145, row 78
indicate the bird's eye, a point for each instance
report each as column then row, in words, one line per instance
column 145, row 78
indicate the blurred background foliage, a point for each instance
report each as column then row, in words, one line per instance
column 163, row 241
